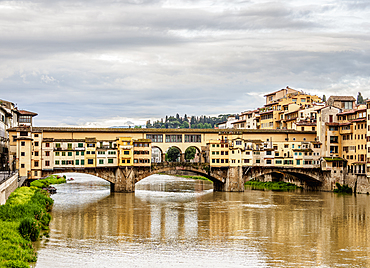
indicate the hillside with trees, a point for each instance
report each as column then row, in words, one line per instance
column 188, row 121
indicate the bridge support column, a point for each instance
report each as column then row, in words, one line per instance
column 124, row 180
column 234, row 181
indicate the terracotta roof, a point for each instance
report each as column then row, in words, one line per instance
column 332, row 124
column 343, row 98
column 240, row 121
column 306, row 124
column 24, row 112
column 359, row 119
column 353, row 111
column 270, row 111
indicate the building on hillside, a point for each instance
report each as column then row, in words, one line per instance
column 247, row 120
column 277, row 95
column 352, row 138
column 342, row 102
column 229, row 123
column 326, row 121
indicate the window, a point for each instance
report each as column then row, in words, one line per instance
column 123, row 161
column 69, row 146
column 63, row 162
column 268, row 161
column 278, row 162
column 101, row 152
column 23, row 143
column 90, row 161
column 23, row 154
column 69, row 153
column 80, row 145
column 258, row 161
column 348, row 105
column 87, row 152
column 36, row 153
column 126, row 152
column 77, row 162
column 155, row 137
column 36, row 143
column 57, row 145
column 56, row 162
column 63, row 153
column 47, row 153
column 268, row 153
column 193, row 138
column 238, row 142
column 91, row 145
column 47, row 163
column 82, row 153
column 22, row 165
column 101, row 161
column 128, row 161
column 77, row 153
column 173, row 138
column 333, row 139
column 36, row 163
column 47, row 144
column 82, row 162
column 110, row 160
column 57, row 153
column 111, row 152
column 35, row 173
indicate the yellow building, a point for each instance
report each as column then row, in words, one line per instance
column 125, row 149
column 90, row 152
column 352, row 140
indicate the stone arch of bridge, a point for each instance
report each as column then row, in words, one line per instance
column 107, row 174
column 310, row 176
column 215, row 178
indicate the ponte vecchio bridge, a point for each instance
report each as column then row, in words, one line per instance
column 124, row 156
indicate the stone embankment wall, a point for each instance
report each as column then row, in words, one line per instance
column 7, row 187
column 358, row 182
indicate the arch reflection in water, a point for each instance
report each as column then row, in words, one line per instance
column 203, row 229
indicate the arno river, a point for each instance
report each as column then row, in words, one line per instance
column 175, row 222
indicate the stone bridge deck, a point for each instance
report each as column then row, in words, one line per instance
column 227, row 179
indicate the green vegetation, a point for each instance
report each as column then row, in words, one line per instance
column 271, row 185
column 23, row 218
column 200, row 122
column 190, row 153
column 342, row 189
column 44, row 183
column 172, row 154
column 188, row 177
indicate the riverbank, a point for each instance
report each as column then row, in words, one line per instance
column 187, row 176
column 24, row 218
column 271, row 185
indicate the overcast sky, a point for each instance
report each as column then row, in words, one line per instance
column 105, row 62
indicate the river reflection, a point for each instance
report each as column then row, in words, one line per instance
column 175, row 222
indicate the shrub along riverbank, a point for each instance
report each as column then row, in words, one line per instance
column 23, row 219
column 187, row 176
column 272, row 185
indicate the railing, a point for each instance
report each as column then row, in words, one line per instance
column 5, row 175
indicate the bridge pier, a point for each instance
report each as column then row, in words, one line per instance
column 124, row 180
column 234, row 181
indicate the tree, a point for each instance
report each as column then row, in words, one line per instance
column 184, row 125
column 360, row 99
column 324, row 98
column 190, row 153
column 172, row 154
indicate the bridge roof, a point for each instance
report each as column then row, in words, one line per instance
column 156, row 130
